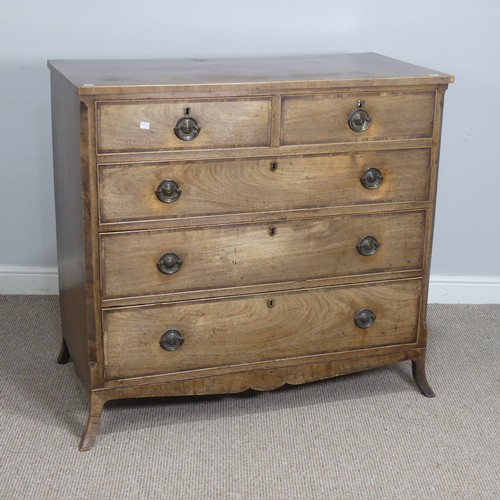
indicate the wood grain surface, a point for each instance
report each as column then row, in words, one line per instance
column 246, row 330
column 229, row 123
column 246, row 254
column 91, row 77
column 127, row 191
column 323, row 118
column 68, row 122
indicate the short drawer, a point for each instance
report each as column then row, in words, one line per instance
column 172, row 190
column 324, row 118
column 229, row 256
column 259, row 328
column 149, row 126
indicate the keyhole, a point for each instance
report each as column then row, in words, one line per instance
column 274, row 166
column 270, row 303
column 272, row 231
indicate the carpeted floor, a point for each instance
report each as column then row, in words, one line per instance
column 368, row 435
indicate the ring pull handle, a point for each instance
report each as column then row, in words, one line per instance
column 360, row 120
column 168, row 191
column 372, row 178
column 368, row 246
column 364, row 318
column 172, row 340
column 169, row 263
column 187, row 127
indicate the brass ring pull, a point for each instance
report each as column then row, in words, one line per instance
column 187, row 127
column 368, row 246
column 372, row 178
column 172, row 340
column 168, row 191
column 360, row 120
column 169, row 263
column 364, row 318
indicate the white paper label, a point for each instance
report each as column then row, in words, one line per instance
column 144, row 125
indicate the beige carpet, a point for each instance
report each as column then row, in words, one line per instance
column 368, row 435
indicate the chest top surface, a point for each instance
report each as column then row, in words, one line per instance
column 91, row 77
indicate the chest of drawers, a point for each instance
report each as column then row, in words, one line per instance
column 226, row 225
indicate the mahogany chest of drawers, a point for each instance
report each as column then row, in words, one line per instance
column 234, row 224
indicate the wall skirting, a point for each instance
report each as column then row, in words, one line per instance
column 18, row 280
column 24, row 280
column 464, row 289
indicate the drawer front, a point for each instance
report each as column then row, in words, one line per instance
column 149, row 126
column 246, row 330
column 128, row 192
column 252, row 254
column 325, row 118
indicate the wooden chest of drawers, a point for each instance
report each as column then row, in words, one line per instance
column 234, row 224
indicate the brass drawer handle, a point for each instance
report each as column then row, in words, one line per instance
column 364, row 318
column 172, row 340
column 169, row 263
column 372, row 178
column 360, row 120
column 187, row 128
column 368, row 246
column 168, row 191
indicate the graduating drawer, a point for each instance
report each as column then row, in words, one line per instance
column 183, row 124
column 140, row 263
column 131, row 192
column 152, row 340
column 333, row 118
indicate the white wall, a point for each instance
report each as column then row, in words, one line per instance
column 459, row 38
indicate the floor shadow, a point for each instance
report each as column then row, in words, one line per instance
column 387, row 380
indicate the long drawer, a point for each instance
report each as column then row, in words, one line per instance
column 228, row 256
column 147, row 191
column 149, row 126
column 203, row 334
column 324, row 118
